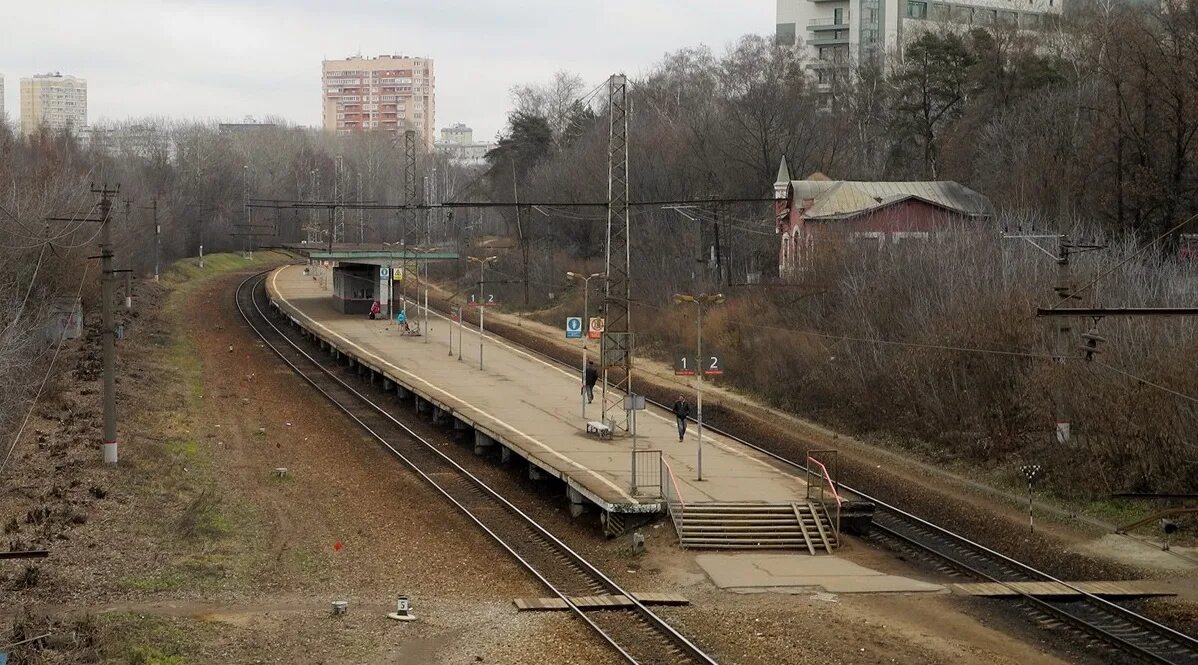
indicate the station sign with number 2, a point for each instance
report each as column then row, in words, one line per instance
column 685, row 365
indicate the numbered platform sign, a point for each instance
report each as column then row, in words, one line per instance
column 384, row 272
column 573, row 327
column 685, row 365
column 595, row 329
column 488, row 300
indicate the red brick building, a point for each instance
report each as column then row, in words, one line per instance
column 815, row 209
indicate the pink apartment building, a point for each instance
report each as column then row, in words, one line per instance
column 391, row 93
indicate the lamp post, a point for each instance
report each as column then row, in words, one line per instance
column 482, row 271
column 586, row 292
column 699, row 301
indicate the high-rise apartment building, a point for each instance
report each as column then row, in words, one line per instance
column 53, row 101
column 388, row 93
column 1, row 97
column 846, row 32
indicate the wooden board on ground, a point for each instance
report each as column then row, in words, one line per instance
column 597, row 602
column 1119, row 589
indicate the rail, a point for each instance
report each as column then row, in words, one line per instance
column 1161, row 630
column 669, row 491
column 686, row 648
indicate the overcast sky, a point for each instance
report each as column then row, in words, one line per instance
column 225, row 59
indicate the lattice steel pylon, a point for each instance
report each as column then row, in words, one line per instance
column 411, row 231
column 616, row 344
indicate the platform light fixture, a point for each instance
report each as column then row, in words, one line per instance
column 586, row 292
column 700, row 302
column 482, row 271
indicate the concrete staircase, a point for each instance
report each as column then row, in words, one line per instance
column 799, row 526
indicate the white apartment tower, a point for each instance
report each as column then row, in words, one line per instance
column 53, row 101
column 846, row 32
column 391, row 93
column 1, row 97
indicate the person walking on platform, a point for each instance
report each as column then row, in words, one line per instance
column 682, row 410
column 401, row 320
column 375, row 308
column 589, row 378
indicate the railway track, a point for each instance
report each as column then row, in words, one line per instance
column 635, row 633
column 1124, row 633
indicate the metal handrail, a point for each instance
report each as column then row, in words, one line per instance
column 675, row 516
column 835, row 495
column 824, row 471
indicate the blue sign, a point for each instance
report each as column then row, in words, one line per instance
column 384, row 272
column 573, row 327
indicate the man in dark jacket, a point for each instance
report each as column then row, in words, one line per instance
column 589, row 378
column 682, row 410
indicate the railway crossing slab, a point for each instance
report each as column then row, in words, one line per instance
column 756, row 573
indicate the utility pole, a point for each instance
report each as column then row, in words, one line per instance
column 616, row 346
column 1064, row 329
column 157, row 239
column 411, row 226
column 107, row 315
column 108, row 332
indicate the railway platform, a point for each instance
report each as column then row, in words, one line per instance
column 523, row 405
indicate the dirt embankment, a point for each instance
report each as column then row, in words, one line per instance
column 193, row 550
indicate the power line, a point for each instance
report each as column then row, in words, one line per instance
column 1142, row 380
column 61, row 338
column 32, row 283
column 832, row 336
column 1129, row 258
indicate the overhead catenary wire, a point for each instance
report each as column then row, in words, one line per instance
column 834, row 336
column 76, row 221
column 1128, row 259
column 1146, row 382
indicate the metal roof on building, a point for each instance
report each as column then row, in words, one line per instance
column 839, row 199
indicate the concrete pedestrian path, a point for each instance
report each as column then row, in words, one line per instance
column 533, row 406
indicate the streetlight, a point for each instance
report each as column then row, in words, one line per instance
column 699, row 301
column 586, row 292
column 482, row 271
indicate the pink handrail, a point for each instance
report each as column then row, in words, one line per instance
column 824, row 470
column 674, row 483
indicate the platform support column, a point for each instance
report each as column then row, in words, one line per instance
column 505, row 455
column 481, row 443
column 577, row 502
column 534, row 472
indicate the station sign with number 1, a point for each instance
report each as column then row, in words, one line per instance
column 685, row 365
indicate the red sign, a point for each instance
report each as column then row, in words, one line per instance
column 595, row 328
